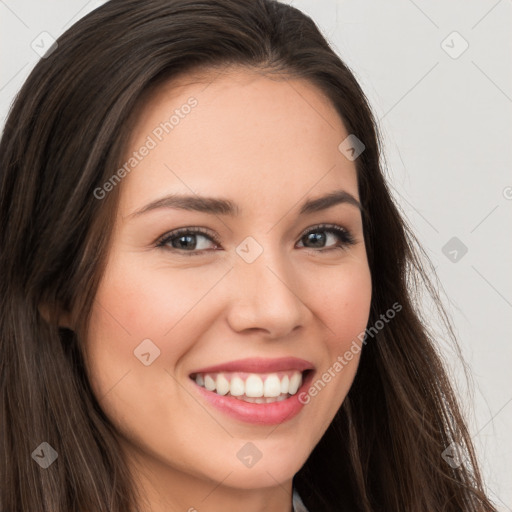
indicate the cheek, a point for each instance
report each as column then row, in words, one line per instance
column 343, row 309
column 144, row 301
column 344, row 305
column 134, row 303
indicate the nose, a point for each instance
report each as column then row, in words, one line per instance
column 266, row 296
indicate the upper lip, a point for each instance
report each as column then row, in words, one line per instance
column 259, row 365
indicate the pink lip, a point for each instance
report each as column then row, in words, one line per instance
column 260, row 414
column 259, row 365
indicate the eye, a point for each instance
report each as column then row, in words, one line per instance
column 188, row 240
column 319, row 239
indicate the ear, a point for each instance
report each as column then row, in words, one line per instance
column 64, row 319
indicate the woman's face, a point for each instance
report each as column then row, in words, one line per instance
column 261, row 300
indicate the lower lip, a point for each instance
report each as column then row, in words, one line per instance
column 261, row 414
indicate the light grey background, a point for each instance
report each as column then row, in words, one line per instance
column 445, row 113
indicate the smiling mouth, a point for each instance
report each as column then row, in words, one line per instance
column 258, row 388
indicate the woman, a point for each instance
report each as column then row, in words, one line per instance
column 179, row 334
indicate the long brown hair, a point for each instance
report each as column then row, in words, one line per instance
column 64, row 137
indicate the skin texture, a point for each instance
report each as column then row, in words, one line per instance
column 267, row 144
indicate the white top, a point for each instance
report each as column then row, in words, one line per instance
column 298, row 506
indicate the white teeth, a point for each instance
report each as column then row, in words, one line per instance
column 295, row 383
column 237, row 387
column 285, row 382
column 272, row 386
column 254, row 386
column 222, row 386
column 209, row 383
column 262, row 400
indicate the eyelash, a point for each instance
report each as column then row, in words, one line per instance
column 345, row 236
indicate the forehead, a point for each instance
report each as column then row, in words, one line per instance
column 236, row 133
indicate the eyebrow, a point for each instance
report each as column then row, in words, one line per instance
column 221, row 206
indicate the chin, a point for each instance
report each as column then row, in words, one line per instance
column 262, row 474
column 261, row 463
